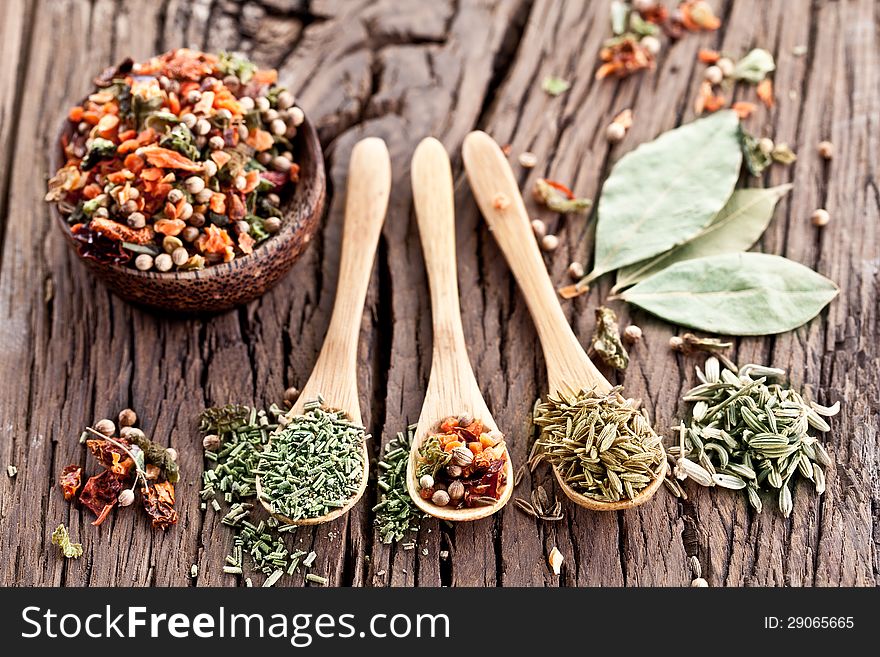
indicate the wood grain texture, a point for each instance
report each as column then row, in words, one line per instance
column 70, row 352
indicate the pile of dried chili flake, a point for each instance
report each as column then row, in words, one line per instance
column 130, row 462
column 462, row 465
column 179, row 162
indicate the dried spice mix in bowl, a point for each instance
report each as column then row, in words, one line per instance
column 179, row 162
column 183, row 164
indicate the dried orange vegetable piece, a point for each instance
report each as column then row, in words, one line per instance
column 743, row 109
column 260, row 140
column 708, row 56
column 165, row 157
column 172, row 227
column 765, row 92
column 118, row 232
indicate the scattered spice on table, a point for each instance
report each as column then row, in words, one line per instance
column 314, row 464
column 606, row 342
column 745, row 433
column 637, row 27
column 554, row 85
column 179, row 162
column 599, row 443
column 130, row 462
column 462, row 464
column 540, row 506
column 396, row 513
column 555, row 560
column 723, row 73
column 11, row 471
column 559, row 198
column 235, row 437
column 68, row 548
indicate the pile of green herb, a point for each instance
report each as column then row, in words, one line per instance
column 314, row 464
column 396, row 513
column 746, row 434
column 236, row 437
column 677, row 232
column 600, row 445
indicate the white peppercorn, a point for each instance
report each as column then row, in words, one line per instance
column 223, row 114
column 527, row 160
column 211, row 442
column 296, row 116
column 204, row 196
column 175, row 196
column 171, row 453
column 281, row 163
column 426, row 481
column 284, row 100
column 202, row 127
column 144, row 262
column 576, row 271
column 262, row 103
column 210, row 168
column 726, row 65
column 126, row 497
column 272, row 225
column 216, row 143
column 180, row 256
column 247, row 103
column 277, row 127
column 615, row 132
column 454, row 471
column 699, row 583
column 826, row 150
column 713, row 75
column 163, row 262
column 632, row 334
column 651, row 44
column 189, row 234
column 270, row 115
column 189, row 120
column 136, row 220
column 194, row 184
column 185, row 211
column 240, row 182
column 766, row 145
column 194, row 96
column 539, row 228
column 242, row 227
column 131, row 433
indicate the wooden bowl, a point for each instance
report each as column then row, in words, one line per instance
column 222, row 286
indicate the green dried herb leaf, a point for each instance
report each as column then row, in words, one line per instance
column 735, row 294
column 754, row 66
column 664, row 192
column 554, row 85
column 619, row 13
column 61, row 538
column 756, row 159
column 783, row 154
column 606, row 340
column 736, row 228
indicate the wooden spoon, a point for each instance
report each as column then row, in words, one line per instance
column 335, row 374
column 569, row 370
column 452, row 387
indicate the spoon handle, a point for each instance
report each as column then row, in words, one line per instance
column 369, row 186
column 497, row 193
column 452, row 383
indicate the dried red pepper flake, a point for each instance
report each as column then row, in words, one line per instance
column 70, row 481
column 101, row 493
column 159, row 504
column 110, row 456
column 698, row 15
column 622, row 57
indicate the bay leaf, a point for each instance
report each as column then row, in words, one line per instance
column 735, row 294
column 665, row 191
column 735, row 228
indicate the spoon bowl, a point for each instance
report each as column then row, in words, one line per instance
column 452, row 387
column 569, row 369
column 334, row 377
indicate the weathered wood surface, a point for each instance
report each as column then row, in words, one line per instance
column 70, row 352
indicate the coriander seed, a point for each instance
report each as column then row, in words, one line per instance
column 632, row 333
column 615, row 132
column 539, row 228
column 127, row 418
column 820, row 218
column 549, row 242
column 105, row 427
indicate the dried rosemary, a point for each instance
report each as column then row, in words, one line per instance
column 600, row 444
column 745, row 434
column 396, row 513
column 314, row 463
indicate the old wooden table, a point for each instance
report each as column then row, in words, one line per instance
column 70, row 352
